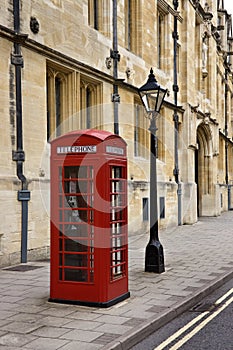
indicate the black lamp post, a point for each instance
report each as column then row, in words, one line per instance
column 152, row 96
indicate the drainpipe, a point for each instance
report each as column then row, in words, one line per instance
column 19, row 155
column 226, row 143
column 114, row 54
column 175, row 115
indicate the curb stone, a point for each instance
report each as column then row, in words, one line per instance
column 127, row 341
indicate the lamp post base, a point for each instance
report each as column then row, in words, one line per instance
column 154, row 261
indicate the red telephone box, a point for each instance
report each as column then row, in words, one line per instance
column 89, row 238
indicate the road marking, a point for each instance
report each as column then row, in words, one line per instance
column 201, row 325
column 181, row 331
column 220, row 300
column 193, row 322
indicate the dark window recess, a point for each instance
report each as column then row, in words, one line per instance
column 129, row 25
column 88, row 107
column 136, row 132
column 96, row 15
column 162, row 207
column 145, row 205
column 58, row 105
column 48, row 114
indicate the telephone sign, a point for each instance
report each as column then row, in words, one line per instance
column 76, row 149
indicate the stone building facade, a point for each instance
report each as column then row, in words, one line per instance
column 68, row 65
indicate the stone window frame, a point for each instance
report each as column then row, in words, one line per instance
column 141, row 132
column 133, row 26
column 55, row 73
column 90, row 97
column 99, row 16
column 161, row 126
column 94, row 14
column 205, row 166
column 75, row 111
column 162, row 16
column 145, row 209
column 221, row 158
column 160, row 40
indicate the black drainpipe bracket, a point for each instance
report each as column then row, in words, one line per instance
column 17, row 59
column 24, row 195
column 20, row 38
column 115, row 55
column 18, row 156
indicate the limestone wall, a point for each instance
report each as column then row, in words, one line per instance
column 67, row 43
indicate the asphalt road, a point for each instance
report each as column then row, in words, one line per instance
column 207, row 326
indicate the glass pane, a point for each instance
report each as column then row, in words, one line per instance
column 76, row 260
column 117, row 215
column 77, row 201
column 82, row 172
column 117, row 186
column 60, row 201
column 116, row 242
column 82, row 201
column 60, row 260
column 116, row 200
column 71, row 216
column 66, row 187
column 116, row 229
column 71, row 172
column 75, row 230
column 60, row 230
column 68, row 202
column 72, row 245
column 60, row 179
column 75, row 275
column 82, row 186
column 60, row 244
column 73, row 186
column 116, row 172
column 91, row 219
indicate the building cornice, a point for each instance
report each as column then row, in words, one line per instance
column 204, row 15
column 52, row 54
column 166, row 8
column 226, row 138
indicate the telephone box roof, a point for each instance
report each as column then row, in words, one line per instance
column 98, row 134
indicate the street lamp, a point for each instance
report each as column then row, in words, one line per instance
column 152, row 96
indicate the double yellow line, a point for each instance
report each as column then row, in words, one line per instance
column 194, row 321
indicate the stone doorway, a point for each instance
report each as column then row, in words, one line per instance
column 204, row 172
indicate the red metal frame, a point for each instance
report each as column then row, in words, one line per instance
column 89, row 238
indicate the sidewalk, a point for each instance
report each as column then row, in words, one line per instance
column 198, row 259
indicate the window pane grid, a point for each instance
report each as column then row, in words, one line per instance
column 76, row 239
column 117, row 223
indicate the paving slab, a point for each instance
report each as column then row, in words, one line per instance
column 198, row 259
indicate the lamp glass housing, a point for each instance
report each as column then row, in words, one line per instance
column 152, row 94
